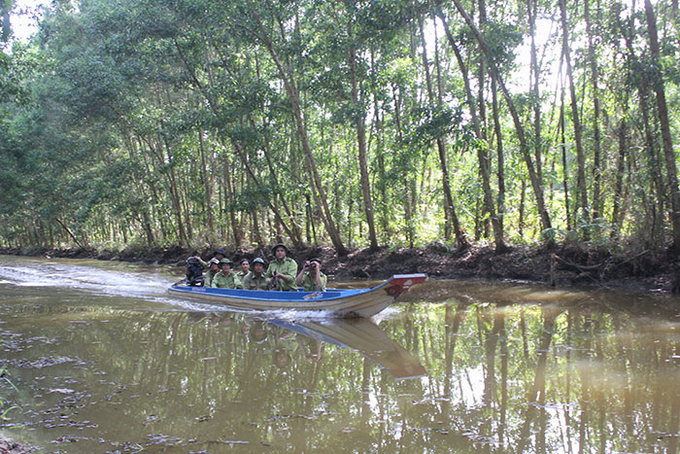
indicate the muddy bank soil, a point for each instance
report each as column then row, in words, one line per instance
column 7, row 446
column 565, row 265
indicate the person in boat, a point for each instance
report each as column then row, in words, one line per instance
column 225, row 278
column 311, row 278
column 256, row 279
column 194, row 274
column 282, row 270
column 218, row 255
column 241, row 274
column 213, row 269
column 200, row 260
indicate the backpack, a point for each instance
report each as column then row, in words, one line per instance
column 194, row 272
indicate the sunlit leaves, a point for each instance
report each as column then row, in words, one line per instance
column 120, row 108
column 437, row 123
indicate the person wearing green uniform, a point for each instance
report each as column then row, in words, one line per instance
column 311, row 278
column 225, row 278
column 242, row 273
column 213, row 269
column 281, row 272
column 256, row 279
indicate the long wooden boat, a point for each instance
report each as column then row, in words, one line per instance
column 339, row 302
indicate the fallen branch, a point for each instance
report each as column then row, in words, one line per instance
column 581, row 268
column 635, row 257
column 71, row 234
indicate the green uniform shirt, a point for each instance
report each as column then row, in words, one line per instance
column 238, row 279
column 222, row 281
column 309, row 282
column 208, row 277
column 253, row 282
column 288, row 268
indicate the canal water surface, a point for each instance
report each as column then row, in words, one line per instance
column 97, row 357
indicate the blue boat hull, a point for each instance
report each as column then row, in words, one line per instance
column 339, row 302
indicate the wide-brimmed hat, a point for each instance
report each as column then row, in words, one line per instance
column 213, row 260
column 226, row 260
column 276, row 246
column 220, row 251
column 258, row 260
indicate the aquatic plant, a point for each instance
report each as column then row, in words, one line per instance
column 5, row 405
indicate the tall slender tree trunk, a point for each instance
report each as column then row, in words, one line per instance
column 143, row 210
column 618, row 208
column 146, row 224
column 664, row 124
column 309, row 220
column 449, row 207
column 594, row 77
column 483, row 148
column 207, row 180
column 361, row 142
column 532, row 6
column 294, row 230
column 183, row 221
column 289, row 83
column 273, row 202
column 482, row 151
column 580, row 153
column 521, row 136
column 481, row 103
column 171, row 177
column 498, row 218
column 408, row 183
column 176, row 202
column 229, row 192
column 184, row 200
column 565, row 168
column 653, row 164
column 138, row 145
column 382, row 177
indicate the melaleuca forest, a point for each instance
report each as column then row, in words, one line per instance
column 449, row 131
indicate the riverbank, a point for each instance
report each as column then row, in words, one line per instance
column 565, row 266
column 8, row 446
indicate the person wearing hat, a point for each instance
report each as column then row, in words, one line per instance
column 213, row 269
column 242, row 273
column 225, row 278
column 282, row 270
column 311, row 278
column 201, row 261
column 218, row 255
column 256, row 279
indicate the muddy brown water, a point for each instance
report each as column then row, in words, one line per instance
column 98, row 358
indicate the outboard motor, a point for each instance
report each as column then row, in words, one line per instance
column 194, row 272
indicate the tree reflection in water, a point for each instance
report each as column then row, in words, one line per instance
column 495, row 376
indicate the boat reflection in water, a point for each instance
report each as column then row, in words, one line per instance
column 362, row 335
